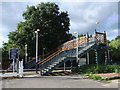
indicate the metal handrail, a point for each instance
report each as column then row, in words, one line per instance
column 49, row 57
column 69, row 45
column 62, row 48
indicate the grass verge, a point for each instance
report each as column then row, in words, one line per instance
column 91, row 70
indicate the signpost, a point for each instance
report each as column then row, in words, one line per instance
column 13, row 54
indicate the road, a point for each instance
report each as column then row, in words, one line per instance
column 75, row 81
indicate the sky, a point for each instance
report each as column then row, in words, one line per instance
column 82, row 13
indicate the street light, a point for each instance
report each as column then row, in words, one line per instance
column 77, row 48
column 97, row 25
column 97, row 22
column 36, row 47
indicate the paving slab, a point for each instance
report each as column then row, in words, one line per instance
column 37, row 81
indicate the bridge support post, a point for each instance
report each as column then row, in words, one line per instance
column 96, row 56
column 88, row 59
column 109, row 59
column 77, row 61
column 71, row 65
column 40, row 70
column 105, row 57
column 64, row 66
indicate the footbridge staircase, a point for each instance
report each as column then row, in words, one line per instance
column 67, row 51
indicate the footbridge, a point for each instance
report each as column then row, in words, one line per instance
column 67, row 51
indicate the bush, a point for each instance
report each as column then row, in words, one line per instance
column 96, row 69
column 95, row 77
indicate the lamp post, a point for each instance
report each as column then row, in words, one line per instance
column 97, row 25
column 36, row 47
column 77, row 48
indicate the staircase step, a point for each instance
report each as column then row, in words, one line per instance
column 51, row 65
column 46, row 69
column 58, row 59
column 56, row 62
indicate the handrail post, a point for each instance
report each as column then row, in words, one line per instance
column 77, row 60
column 87, row 37
column 96, row 41
column 105, row 42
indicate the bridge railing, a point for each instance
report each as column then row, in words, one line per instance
column 66, row 46
column 98, row 38
column 72, row 44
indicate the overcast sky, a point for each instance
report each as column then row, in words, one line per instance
column 83, row 16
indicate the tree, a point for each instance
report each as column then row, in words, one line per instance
column 115, row 49
column 80, row 35
column 53, row 25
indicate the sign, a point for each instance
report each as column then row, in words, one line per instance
column 14, row 53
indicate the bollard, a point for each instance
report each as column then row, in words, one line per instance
column 21, row 69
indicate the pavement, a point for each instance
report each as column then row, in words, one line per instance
column 73, row 81
column 33, row 80
column 57, row 82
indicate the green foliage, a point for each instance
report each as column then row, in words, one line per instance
column 95, row 77
column 80, row 35
column 53, row 25
column 95, row 69
column 115, row 43
column 0, row 54
column 115, row 50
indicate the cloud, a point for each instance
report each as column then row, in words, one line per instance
column 11, row 15
column 89, row 1
column 83, row 16
column 3, row 36
column 112, row 33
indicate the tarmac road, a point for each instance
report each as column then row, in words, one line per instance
column 74, row 81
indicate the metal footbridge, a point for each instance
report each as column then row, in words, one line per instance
column 67, row 51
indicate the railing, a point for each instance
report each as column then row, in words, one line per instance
column 98, row 38
column 66, row 46
column 45, row 56
column 72, row 44
column 50, row 57
column 84, row 43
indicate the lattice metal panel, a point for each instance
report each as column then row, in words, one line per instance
column 72, row 44
column 100, row 38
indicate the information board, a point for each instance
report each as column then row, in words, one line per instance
column 14, row 53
